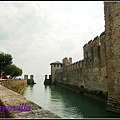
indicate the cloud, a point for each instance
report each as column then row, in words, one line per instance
column 38, row 33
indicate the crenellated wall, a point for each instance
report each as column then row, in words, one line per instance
column 99, row 72
column 94, row 70
column 90, row 72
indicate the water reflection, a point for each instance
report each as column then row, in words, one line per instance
column 73, row 105
column 66, row 103
column 31, row 86
column 47, row 88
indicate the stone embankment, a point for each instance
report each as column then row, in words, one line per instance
column 9, row 98
column 15, row 85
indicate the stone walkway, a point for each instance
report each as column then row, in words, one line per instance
column 10, row 98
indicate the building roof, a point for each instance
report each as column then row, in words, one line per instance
column 57, row 62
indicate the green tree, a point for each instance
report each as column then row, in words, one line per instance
column 9, row 69
column 13, row 70
column 17, row 71
column 5, row 59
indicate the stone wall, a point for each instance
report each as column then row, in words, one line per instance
column 98, row 74
column 90, row 72
column 15, row 85
column 112, row 38
column 29, row 81
column 54, row 66
column 94, row 68
column 17, row 106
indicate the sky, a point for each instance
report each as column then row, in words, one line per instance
column 38, row 33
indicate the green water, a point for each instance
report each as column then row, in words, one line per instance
column 65, row 103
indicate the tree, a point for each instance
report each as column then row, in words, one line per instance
column 13, row 70
column 9, row 69
column 5, row 59
column 17, row 71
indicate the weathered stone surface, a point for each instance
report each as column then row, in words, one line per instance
column 99, row 71
column 112, row 35
column 30, row 81
column 11, row 98
column 90, row 72
column 15, row 85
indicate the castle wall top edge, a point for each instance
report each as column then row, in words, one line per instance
column 103, row 33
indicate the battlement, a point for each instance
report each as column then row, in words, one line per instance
column 96, row 41
column 102, row 38
column 102, row 34
column 91, row 52
column 90, row 48
column 66, row 61
column 98, row 72
column 80, row 64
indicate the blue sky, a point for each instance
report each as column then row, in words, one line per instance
column 41, row 32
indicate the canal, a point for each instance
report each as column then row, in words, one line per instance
column 65, row 103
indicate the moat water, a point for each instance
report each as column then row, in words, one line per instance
column 65, row 103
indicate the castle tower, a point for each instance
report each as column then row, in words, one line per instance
column 54, row 66
column 112, row 38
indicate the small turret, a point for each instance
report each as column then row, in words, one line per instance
column 70, row 60
column 54, row 66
